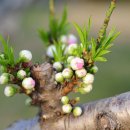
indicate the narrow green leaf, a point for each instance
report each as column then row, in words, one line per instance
column 102, row 59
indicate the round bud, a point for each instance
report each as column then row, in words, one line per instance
column 2, row 56
column 10, row 91
column 67, row 73
column 25, row 55
column 59, row 77
column 57, row 66
column 77, row 111
column 77, row 63
column 94, row 69
column 4, row 78
column 63, row 39
column 71, row 49
column 28, row 83
column 88, row 79
column 28, row 101
column 86, row 89
column 21, row 74
column 50, row 51
column 81, row 73
column 67, row 108
column 72, row 39
column 69, row 59
column 65, row 100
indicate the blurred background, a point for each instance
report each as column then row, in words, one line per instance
column 21, row 18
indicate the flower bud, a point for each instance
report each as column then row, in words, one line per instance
column 72, row 39
column 2, row 56
column 88, row 79
column 81, row 73
column 63, row 39
column 28, row 83
column 25, row 55
column 77, row 63
column 28, row 101
column 10, row 91
column 77, row 111
column 94, row 69
column 65, row 100
column 57, row 66
column 67, row 73
column 86, row 89
column 50, row 51
column 4, row 78
column 69, row 59
column 59, row 77
column 21, row 74
column 3, row 69
column 71, row 49
column 67, row 108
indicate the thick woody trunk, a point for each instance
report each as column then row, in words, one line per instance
column 106, row 114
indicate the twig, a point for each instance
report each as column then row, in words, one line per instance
column 109, row 12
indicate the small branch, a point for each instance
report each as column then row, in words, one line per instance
column 51, row 6
column 109, row 12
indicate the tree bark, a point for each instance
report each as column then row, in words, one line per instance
column 106, row 114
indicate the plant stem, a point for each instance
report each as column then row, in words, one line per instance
column 51, row 6
column 109, row 12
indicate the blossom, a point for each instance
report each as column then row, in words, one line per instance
column 67, row 108
column 65, row 99
column 25, row 55
column 4, row 78
column 67, row 73
column 81, row 73
column 71, row 49
column 77, row 63
column 72, row 39
column 59, row 77
column 86, row 89
column 88, row 79
column 77, row 111
column 9, row 91
column 58, row 66
column 21, row 74
column 28, row 83
column 50, row 50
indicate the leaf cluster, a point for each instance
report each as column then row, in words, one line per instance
column 56, row 29
column 7, row 57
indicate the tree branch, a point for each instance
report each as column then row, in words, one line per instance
column 106, row 114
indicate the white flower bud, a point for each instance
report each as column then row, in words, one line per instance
column 4, row 78
column 50, row 51
column 65, row 99
column 63, row 39
column 21, row 74
column 59, row 77
column 10, row 91
column 81, row 73
column 88, row 79
column 57, row 66
column 77, row 111
column 67, row 73
column 72, row 39
column 28, row 83
column 25, row 55
column 69, row 59
column 67, row 108
column 86, row 89
column 94, row 69
column 71, row 49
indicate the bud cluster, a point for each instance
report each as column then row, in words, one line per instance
column 21, row 74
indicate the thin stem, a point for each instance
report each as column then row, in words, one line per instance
column 109, row 12
column 51, row 6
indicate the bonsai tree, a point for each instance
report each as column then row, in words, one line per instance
column 70, row 67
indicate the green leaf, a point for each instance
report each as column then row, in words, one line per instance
column 102, row 59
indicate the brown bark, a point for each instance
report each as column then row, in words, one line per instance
column 106, row 114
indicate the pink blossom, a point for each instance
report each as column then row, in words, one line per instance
column 72, row 39
column 77, row 63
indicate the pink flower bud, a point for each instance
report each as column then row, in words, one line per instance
column 72, row 39
column 28, row 83
column 77, row 63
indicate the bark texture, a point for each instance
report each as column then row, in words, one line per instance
column 106, row 114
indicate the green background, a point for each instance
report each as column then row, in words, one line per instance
column 113, row 76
